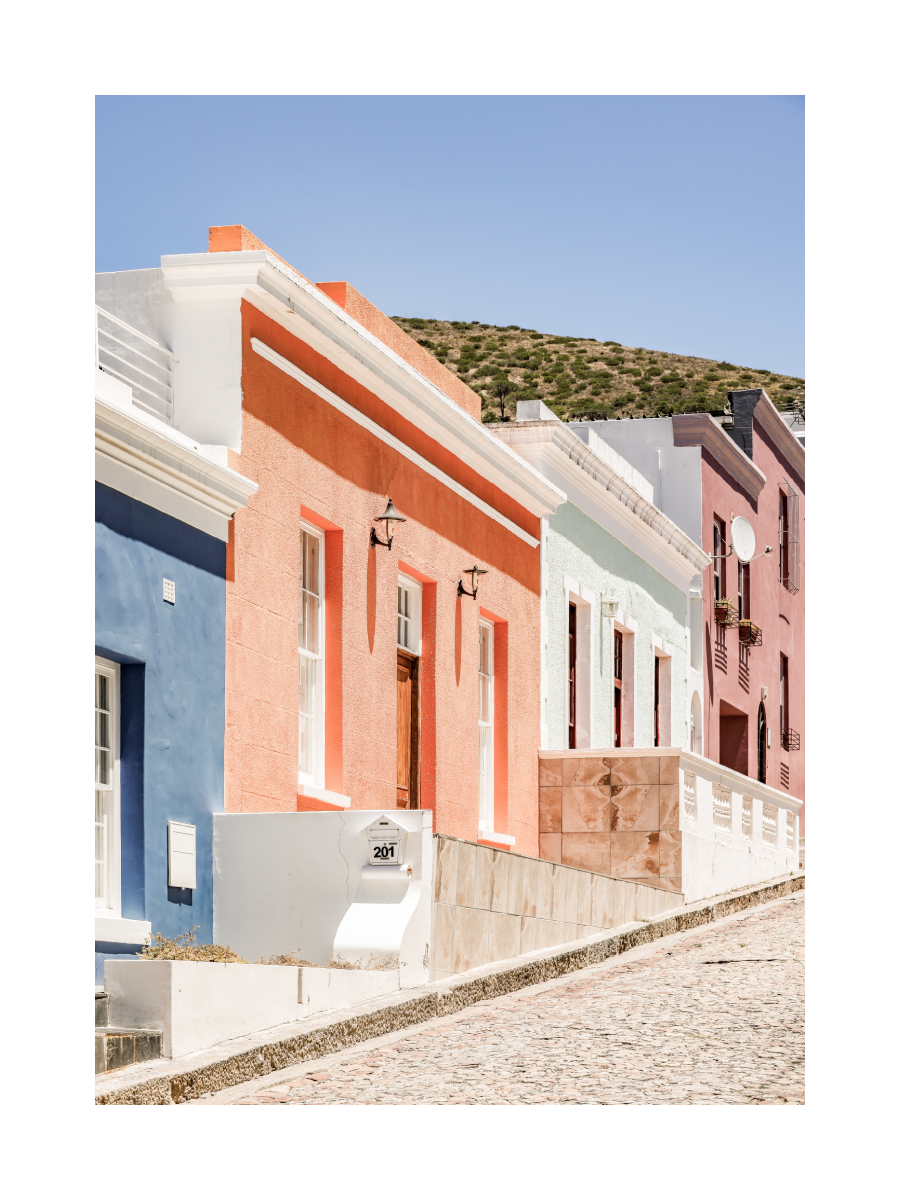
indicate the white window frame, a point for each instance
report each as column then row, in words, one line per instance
column 414, row 588
column 663, row 651
column 113, row 905
column 486, row 736
column 315, row 778
column 628, row 630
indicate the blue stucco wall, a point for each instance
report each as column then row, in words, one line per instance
column 172, row 698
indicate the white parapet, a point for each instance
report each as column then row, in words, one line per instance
column 735, row 831
column 286, row 883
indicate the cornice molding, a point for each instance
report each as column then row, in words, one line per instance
column 573, row 456
column 699, row 429
column 378, row 431
column 771, row 421
column 307, row 313
column 149, row 448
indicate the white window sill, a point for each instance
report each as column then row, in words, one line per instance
column 487, row 838
column 120, row 929
column 317, row 793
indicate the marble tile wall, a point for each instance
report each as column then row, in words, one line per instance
column 614, row 816
column 491, row 904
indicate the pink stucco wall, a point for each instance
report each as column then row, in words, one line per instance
column 734, row 677
column 311, row 461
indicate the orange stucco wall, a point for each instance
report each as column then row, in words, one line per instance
column 357, row 306
column 311, row 461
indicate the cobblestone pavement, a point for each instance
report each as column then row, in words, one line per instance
column 713, row 1016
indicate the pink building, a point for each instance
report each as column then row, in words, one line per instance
column 747, row 659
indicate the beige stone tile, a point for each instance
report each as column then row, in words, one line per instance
column 629, row 903
column 583, row 912
column 530, row 887
column 585, row 772
column 465, row 875
column 635, row 807
column 668, row 770
column 515, row 885
column 670, row 884
column 544, row 890
column 634, row 855
column 589, row 851
column 505, row 933
column 585, row 809
column 554, row 933
column 668, row 806
column 616, row 897
column 446, row 927
column 599, row 901
column 558, row 875
column 528, row 937
column 550, row 845
column 499, row 880
column 473, row 946
column 570, row 912
column 437, row 976
column 570, row 932
column 483, row 872
column 583, row 931
column 670, row 854
column 638, row 771
column 549, row 813
column 550, row 772
column 445, row 874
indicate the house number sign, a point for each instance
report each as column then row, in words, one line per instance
column 385, row 846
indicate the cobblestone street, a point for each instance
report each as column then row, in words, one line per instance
column 712, row 1016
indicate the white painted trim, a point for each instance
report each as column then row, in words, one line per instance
column 388, row 438
column 583, row 599
column 415, row 620
column 315, row 780
column 319, row 793
column 308, row 313
column 591, row 485
column 120, row 929
column 486, row 838
column 142, row 457
column 113, row 909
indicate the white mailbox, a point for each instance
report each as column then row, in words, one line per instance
column 182, row 855
column 387, row 841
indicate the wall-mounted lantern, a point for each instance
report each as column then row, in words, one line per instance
column 391, row 518
column 473, row 572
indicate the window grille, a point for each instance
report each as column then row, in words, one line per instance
column 404, row 617
column 770, row 825
column 105, row 815
column 485, row 726
column 789, row 538
column 721, row 806
column 309, row 647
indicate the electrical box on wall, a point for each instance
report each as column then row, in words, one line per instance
column 182, row 855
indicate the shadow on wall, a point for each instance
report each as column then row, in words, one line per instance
column 371, row 594
column 458, row 650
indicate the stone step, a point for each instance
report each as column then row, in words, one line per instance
column 116, row 1047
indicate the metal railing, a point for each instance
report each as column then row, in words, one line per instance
column 137, row 361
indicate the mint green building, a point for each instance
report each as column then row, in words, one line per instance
column 620, row 586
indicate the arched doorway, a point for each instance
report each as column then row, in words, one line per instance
column 761, row 743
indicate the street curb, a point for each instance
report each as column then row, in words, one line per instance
column 241, row 1059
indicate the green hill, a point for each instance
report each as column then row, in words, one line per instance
column 582, row 378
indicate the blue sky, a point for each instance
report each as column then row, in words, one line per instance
column 674, row 223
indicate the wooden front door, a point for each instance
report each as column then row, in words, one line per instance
column 407, row 731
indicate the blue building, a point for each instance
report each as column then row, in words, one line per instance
column 163, row 509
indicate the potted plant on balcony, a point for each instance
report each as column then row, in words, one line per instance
column 724, row 610
column 748, row 633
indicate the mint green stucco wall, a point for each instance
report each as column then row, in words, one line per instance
column 578, row 547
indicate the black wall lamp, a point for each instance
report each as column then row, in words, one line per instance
column 390, row 517
column 474, row 572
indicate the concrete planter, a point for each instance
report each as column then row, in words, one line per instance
column 197, row 1005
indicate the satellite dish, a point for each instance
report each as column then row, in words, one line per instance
column 743, row 539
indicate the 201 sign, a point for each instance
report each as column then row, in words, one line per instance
column 383, row 853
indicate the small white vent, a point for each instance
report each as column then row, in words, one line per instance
column 747, row 817
column 690, row 795
column 721, row 806
column 770, row 825
column 169, row 591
